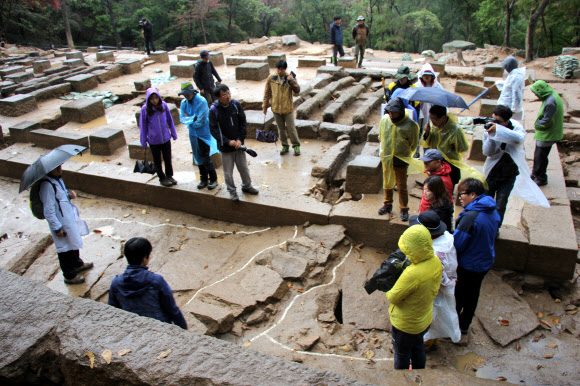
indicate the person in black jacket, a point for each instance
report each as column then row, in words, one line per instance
column 147, row 33
column 227, row 123
column 203, row 76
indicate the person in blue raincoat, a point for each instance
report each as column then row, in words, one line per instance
column 194, row 113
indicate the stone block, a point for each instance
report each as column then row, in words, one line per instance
column 9, row 90
column 489, row 81
column 82, row 110
column 183, row 69
column 331, row 112
column 10, row 70
column 73, row 63
column 337, row 72
column 347, row 61
column 339, row 84
column 331, row 161
column 476, row 147
column 438, row 68
column 464, row 87
column 307, row 129
column 487, row 106
column 31, row 88
column 55, row 70
column 256, row 120
column 59, row 54
column 238, row 60
column 359, row 133
column 252, row 71
column 92, row 50
column 309, row 106
column 373, row 135
column 17, row 105
column 142, row 84
column 174, row 112
column 319, row 81
column 40, row 65
column 188, row 57
column 21, row 131
column 331, row 131
column 83, row 83
column 131, row 66
column 6, row 83
column 19, row 77
column 217, row 58
column 457, row 45
column 273, row 59
column 105, row 56
column 494, row 70
column 311, row 62
column 106, row 141
column 51, row 91
column 75, row 55
column 364, row 175
column 364, row 111
column 50, row 139
column 371, row 149
column 159, row 56
column 136, row 151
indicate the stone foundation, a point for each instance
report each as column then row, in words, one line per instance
column 476, row 147
column 273, row 59
column 311, row 62
column 468, row 88
column 160, row 56
column 83, row 83
column 19, row 77
column 10, row 70
column 217, row 58
column 92, row 50
column 82, row 110
column 195, row 58
column 107, row 56
column 237, row 60
column 50, row 139
column 183, row 69
column 364, row 175
column 130, row 66
column 252, row 71
column 21, row 131
column 73, row 63
column 493, row 70
column 40, row 65
column 347, row 61
column 75, row 55
column 17, row 105
column 487, row 106
column 106, row 141
column 51, row 91
column 142, row 84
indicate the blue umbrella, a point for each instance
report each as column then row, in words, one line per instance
column 477, row 98
column 433, row 95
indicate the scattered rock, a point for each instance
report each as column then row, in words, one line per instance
column 406, row 57
column 330, row 235
column 571, row 159
column 270, row 309
column 263, row 284
column 289, row 266
column 307, row 342
column 344, row 137
column 327, row 317
column 345, row 197
column 258, row 316
column 291, row 40
column 307, row 248
column 428, row 54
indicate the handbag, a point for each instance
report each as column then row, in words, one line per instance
column 144, row 166
column 266, row 136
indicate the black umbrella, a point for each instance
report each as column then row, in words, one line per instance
column 46, row 163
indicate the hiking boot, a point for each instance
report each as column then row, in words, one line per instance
column 234, row 196
column 540, row 182
column 296, row 150
column 250, row 190
column 212, row 185
column 172, row 180
column 404, row 214
column 387, row 208
column 166, row 182
column 84, row 267
column 202, row 184
column 464, row 341
column 75, row 280
column 285, row 149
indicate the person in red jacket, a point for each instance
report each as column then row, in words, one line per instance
column 436, row 166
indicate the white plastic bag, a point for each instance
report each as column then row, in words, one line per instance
column 445, row 321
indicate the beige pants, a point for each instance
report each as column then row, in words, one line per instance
column 287, row 128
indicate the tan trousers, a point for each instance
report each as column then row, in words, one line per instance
column 401, row 179
column 287, row 128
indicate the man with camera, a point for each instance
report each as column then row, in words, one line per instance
column 203, row 76
column 278, row 93
column 147, row 33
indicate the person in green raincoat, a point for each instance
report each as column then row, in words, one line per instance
column 398, row 134
column 445, row 135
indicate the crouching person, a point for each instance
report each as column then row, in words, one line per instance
column 411, row 308
column 141, row 291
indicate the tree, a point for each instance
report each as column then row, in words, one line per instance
column 69, row 38
column 108, row 6
column 422, row 22
column 198, row 11
column 509, row 7
column 534, row 18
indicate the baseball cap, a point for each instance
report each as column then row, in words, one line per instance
column 431, row 155
column 186, row 89
column 204, row 54
column 361, row 17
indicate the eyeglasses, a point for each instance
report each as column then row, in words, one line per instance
column 461, row 194
column 226, row 94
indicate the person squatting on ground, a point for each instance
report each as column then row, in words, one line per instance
column 549, row 128
column 427, row 78
column 278, row 94
column 411, row 298
column 147, row 33
column 475, row 231
column 506, row 170
column 512, row 89
column 194, row 113
column 405, row 79
column 66, row 227
column 446, row 135
column 445, row 322
column 398, row 135
column 141, row 291
column 360, row 33
column 336, row 39
column 203, row 76
column 227, row 123
column 157, row 129
column 436, row 198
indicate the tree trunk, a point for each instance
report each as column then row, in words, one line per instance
column 509, row 9
column 576, row 38
column 203, row 31
column 109, row 12
column 534, row 17
column 69, row 38
column 546, row 36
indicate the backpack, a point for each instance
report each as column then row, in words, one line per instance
column 36, row 205
column 387, row 275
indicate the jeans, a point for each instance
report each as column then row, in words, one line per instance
column 287, row 128
column 359, row 50
column 541, row 163
column 337, row 49
column 466, row 295
column 500, row 189
column 401, row 180
column 69, row 261
column 149, row 42
column 156, row 151
column 409, row 349
column 237, row 157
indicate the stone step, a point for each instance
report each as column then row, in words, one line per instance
column 347, row 62
column 50, row 139
column 131, row 66
column 476, row 146
column 10, row 70
column 339, row 84
column 337, row 72
column 487, row 106
column 17, row 105
column 83, row 83
column 73, row 63
column 106, row 141
column 75, row 55
column 21, row 131
column 311, row 105
column 142, row 84
column 363, row 112
column 83, row 110
column 188, row 57
column 494, row 70
column 257, row 120
column 364, row 175
column 217, row 58
column 40, row 66
column 331, row 160
column 19, row 77
column 464, row 87
column 52, row 91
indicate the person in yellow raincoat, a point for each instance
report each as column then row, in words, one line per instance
column 398, row 134
column 445, row 135
column 411, row 298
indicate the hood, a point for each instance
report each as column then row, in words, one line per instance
column 482, row 203
column 399, row 91
column 416, row 244
column 542, row 89
column 427, row 68
column 509, row 64
column 396, row 105
column 444, row 243
column 445, row 170
column 152, row 90
column 136, row 280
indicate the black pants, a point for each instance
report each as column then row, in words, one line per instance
column 500, row 189
column 156, row 151
column 208, row 95
column 69, row 261
column 541, row 163
column 206, row 169
column 149, row 42
column 467, row 295
column 409, row 349
column 337, row 49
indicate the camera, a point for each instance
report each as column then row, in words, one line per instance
column 485, row 121
column 488, row 123
column 286, row 76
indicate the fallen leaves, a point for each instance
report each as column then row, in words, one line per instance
column 540, row 315
column 247, row 344
column 546, row 324
column 548, row 356
column 144, row 211
column 501, row 379
column 97, row 231
column 123, row 352
column 539, row 367
column 358, row 247
column 164, row 354
column 538, row 337
column 107, row 355
column 206, row 267
column 369, row 354
column 504, row 322
column 552, row 345
column 518, row 347
column 345, row 348
column 91, row 358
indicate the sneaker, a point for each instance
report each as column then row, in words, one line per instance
column 404, row 215
column 166, row 182
column 464, row 341
column 172, row 180
column 540, row 182
column 285, row 149
column 296, row 150
column 387, row 208
column 212, row 185
column 234, row 196
column 75, row 280
column 202, row 184
column 84, row 267
column 250, row 190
